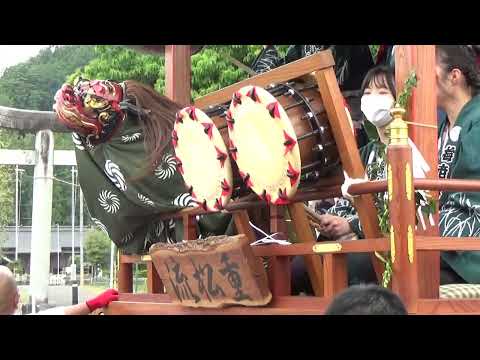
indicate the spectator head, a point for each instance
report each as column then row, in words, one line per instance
column 9, row 296
column 366, row 300
column 457, row 72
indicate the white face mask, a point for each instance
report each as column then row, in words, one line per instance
column 377, row 109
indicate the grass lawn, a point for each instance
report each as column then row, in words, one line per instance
column 98, row 288
column 87, row 289
column 23, row 294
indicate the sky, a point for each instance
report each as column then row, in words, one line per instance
column 14, row 54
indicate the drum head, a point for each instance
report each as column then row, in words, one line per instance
column 202, row 158
column 267, row 151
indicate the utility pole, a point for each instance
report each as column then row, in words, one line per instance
column 73, row 272
column 16, row 212
column 81, row 237
column 58, row 250
column 112, row 260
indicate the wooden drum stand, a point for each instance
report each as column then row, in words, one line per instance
column 326, row 261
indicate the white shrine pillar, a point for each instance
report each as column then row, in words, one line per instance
column 41, row 217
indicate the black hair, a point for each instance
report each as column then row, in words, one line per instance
column 366, row 300
column 382, row 76
column 463, row 58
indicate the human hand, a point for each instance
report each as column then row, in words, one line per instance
column 349, row 181
column 103, row 299
column 334, row 226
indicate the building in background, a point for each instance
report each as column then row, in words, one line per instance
column 60, row 247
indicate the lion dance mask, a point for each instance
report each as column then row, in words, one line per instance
column 91, row 108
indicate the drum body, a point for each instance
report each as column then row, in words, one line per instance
column 202, row 159
column 280, row 139
column 282, row 135
column 303, row 105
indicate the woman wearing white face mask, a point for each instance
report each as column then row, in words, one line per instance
column 378, row 89
column 458, row 96
column 378, row 98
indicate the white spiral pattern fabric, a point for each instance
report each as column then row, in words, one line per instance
column 115, row 175
column 167, row 167
column 131, row 138
column 127, row 238
column 77, row 141
column 184, row 200
column 157, row 231
column 146, row 200
column 109, row 202
column 101, row 226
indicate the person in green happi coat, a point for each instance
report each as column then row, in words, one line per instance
column 341, row 220
column 458, row 96
column 126, row 163
column 458, row 87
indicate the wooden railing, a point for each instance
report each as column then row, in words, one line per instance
column 329, row 276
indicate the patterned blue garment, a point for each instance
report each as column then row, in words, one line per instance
column 460, row 211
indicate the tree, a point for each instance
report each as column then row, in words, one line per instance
column 6, row 195
column 6, row 192
column 211, row 68
column 119, row 64
column 32, row 85
column 374, row 50
column 5, row 100
column 97, row 248
column 3, row 238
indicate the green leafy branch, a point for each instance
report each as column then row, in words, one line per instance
column 387, row 274
column 406, row 93
column 427, row 204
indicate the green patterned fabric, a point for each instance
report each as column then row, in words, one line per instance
column 459, row 211
column 459, row 148
column 373, row 158
column 460, row 291
column 124, row 202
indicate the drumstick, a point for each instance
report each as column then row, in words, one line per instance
column 312, row 216
column 240, row 65
column 423, row 125
column 316, row 226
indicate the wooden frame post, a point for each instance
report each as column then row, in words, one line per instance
column 242, row 224
column 401, row 197
column 335, row 274
column 423, row 109
column 189, row 227
column 125, row 277
column 279, row 270
column 304, row 233
column 349, row 154
column 154, row 283
column 178, row 73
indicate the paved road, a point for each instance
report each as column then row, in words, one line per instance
column 62, row 295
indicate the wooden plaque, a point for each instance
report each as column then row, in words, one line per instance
column 212, row 272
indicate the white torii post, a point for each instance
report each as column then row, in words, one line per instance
column 41, row 217
column 41, row 182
